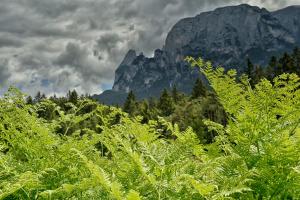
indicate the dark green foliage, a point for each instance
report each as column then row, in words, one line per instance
column 130, row 103
column 72, row 97
column 250, row 71
column 296, row 59
column 184, row 110
column 287, row 63
column 152, row 103
column 39, row 97
column 257, row 75
column 199, row 89
column 176, row 95
column 29, row 100
column 192, row 113
column 166, row 104
column 271, row 68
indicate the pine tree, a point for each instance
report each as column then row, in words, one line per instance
column 199, row 90
column 287, row 64
column 73, row 97
column 130, row 103
column 38, row 97
column 250, row 70
column 43, row 97
column 258, row 74
column 53, row 98
column 29, row 100
column 296, row 59
column 152, row 103
column 175, row 94
column 271, row 69
column 144, row 111
column 166, row 104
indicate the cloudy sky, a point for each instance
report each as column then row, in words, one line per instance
column 56, row 45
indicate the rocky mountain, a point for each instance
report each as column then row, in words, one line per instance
column 226, row 36
column 289, row 17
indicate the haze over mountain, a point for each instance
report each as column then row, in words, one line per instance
column 227, row 36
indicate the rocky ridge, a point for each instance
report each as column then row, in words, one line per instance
column 227, row 36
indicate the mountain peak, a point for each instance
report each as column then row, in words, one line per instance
column 227, row 36
column 291, row 7
column 290, row 18
column 129, row 57
column 240, row 7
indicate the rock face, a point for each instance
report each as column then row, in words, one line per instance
column 227, row 36
column 290, row 18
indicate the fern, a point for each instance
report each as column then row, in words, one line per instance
column 262, row 127
column 92, row 151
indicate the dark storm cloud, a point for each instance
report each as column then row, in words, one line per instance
column 58, row 45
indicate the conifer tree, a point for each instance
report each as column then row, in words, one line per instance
column 271, row 68
column 73, row 97
column 166, row 104
column 287, row 64
column 296, row 59
column 29, row 100
column 250, row 70
column 130, row 103
column 258, row 74
column 152, row 103
column 43, row 96
column 175, row 94
column 144, row 110
column 199, row 90
column 53, row 98
column 38, row 97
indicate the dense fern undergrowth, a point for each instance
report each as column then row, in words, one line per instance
column 93, row 151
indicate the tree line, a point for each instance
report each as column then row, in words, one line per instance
column 186, row 110
column 191, row 109
column 286, row 63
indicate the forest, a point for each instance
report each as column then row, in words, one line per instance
column 239, row 139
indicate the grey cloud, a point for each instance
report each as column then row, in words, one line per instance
column 51, row 32
column 72, row 56
column 53, row 8
column 131, row 27
column 4, row 71
column 46, row 47
column 10, row 42
column 31, row 62
column 108, row 41
column 83, row 62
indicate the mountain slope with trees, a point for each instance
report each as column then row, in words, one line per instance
column 191, row 110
